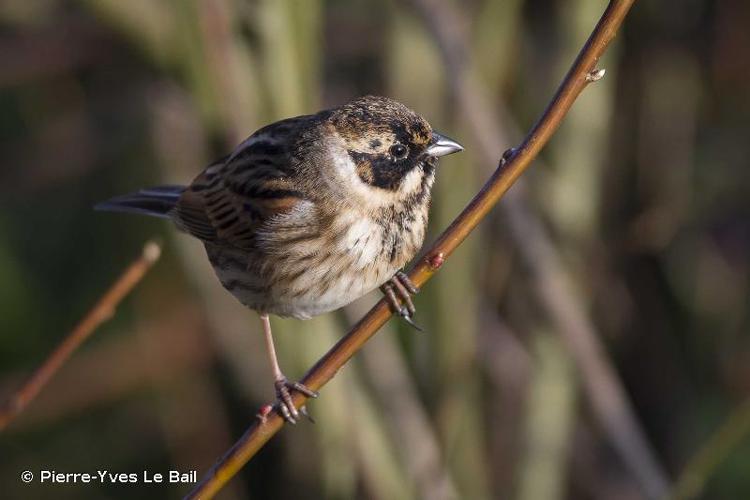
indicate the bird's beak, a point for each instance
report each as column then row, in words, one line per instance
column 442, row 145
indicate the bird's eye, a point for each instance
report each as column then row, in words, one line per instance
column 399, row 151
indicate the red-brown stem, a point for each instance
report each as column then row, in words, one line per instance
column 501, row 180
column 101, row 312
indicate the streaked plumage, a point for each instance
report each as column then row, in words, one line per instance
column 310, row 213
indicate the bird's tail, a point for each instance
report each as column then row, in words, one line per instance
column 156, row 201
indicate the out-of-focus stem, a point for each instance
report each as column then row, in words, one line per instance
column 698, row 470
column 550, row 414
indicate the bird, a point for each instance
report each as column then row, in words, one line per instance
column 311, row 213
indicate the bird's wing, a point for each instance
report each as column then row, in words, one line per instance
column 236, row 195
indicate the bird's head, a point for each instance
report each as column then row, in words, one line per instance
column 384, row 150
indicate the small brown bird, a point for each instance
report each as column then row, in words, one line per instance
column 310, row 213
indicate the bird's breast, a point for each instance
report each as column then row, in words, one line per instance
column 322, row 271
column 361, row 253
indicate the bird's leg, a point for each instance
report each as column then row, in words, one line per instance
column 283, row 386
column 400, row 289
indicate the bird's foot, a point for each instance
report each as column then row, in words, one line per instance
column 284, row 403
column 398, row 290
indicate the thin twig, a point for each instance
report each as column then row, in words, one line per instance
column 101, row 312
column 513, row 165
column 553, row 284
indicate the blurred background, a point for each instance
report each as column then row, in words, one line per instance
column 589, row 341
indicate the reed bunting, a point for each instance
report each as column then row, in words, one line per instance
column 310, row 213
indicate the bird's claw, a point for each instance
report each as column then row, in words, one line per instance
column 401, row 287
column 285, row 404
column 404, row 313
column 404, row 279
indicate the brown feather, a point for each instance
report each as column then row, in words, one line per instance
column 230, row 200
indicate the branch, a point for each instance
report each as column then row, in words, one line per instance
column 553, row 284
column 101, row 312
column 513, row 164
